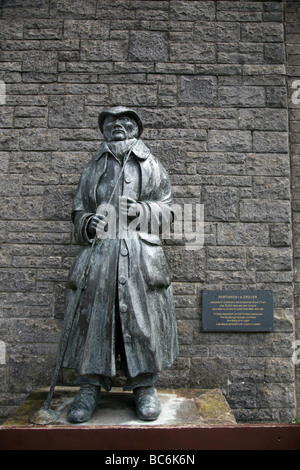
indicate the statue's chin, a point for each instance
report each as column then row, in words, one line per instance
column 117, row 136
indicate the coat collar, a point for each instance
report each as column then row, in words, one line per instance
column 139, row 149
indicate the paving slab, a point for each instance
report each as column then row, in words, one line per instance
column 180, row 407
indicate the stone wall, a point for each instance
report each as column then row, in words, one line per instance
column 208, row 78
column 292, row 20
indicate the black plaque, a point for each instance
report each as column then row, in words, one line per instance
column 237, row 310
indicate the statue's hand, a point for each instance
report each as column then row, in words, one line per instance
column 129, row 207
column 97, row 223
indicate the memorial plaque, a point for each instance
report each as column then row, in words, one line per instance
column 237, row 310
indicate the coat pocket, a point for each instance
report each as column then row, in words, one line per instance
column 154, row 265
column 77, row 268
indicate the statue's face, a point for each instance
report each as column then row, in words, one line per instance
column 120, row 128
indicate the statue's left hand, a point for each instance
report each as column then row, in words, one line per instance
column 97, row 224
column 129, row 207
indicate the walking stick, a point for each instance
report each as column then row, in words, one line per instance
column 45, row 415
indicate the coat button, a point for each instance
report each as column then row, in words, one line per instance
column 128, row 179
column 127, row 338
column 124, row 251
column 122, row 279
column 123, row 308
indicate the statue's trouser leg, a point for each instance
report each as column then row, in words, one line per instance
column 146, row 379
column 143, row 385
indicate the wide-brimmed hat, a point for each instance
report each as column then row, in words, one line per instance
column 120, row 111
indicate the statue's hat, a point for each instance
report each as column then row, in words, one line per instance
column 120, row 111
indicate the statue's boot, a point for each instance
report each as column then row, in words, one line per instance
column 84, row 404
column 147, row 404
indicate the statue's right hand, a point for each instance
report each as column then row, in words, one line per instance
column 97, row 223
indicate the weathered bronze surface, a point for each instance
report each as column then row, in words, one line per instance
column 119, row 292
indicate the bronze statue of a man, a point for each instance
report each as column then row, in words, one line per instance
column 126, row 306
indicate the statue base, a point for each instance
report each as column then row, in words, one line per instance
column 191, row 419
column 180, row 407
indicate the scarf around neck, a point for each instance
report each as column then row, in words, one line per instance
column 120, row 148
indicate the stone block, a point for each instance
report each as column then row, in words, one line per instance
column 82, row 29
column 192, row 52
column 263, row 32
column 25, row 208
column 43, row 29
column 270, row 142
column 160, row 118
column 74, row 163
column 239, row 16
column 214, row 31
column 280, row 277
column 11, row 29
column 229, row 141
column 280, row 369
column 220, row 204
column 185, row 329
column 148, row 46
column 192, row 10
column 120, row 17
column 260, row 210
column 280, row 235
column 274, row 53
column 4, row 161
column 105, row 51
column 240, row 234
column 276, row 96
column 197, row 90
column 58, row 202
column 232, row 5
column 30, row 9
column 205, row 371
column 39, row 139
column 240, row 53
column 242, row 96
column 213, row 118
column 268, row 164
column 9, row 140
column 273, row 72
column 134, row 95
column 186, row 265
column 226, row 252
column 269, row 259
column 271, row 188
column 66, row 111
column 11, row 184
column 263, row 119
column 178, row 68
column 73, row 9
column 226, row 264
column 17, row 280
column 40, row 61
column 31, row 111
column 242, row 395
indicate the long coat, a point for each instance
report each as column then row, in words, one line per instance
column 129, row 273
